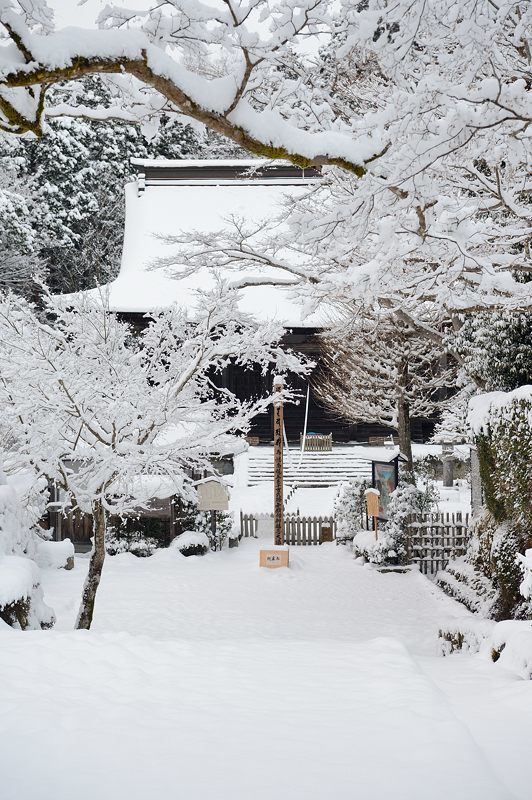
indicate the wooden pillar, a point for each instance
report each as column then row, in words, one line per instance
column 448, row 464
column 477, row 500
column 278, row 499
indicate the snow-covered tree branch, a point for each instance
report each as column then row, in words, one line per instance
column 246, row 71
column 173, row 48
column 379, row 369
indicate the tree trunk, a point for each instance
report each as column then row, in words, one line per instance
column 403, row 420
column 86, row 609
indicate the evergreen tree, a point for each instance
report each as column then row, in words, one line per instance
column 71, row 230
column 496, row 349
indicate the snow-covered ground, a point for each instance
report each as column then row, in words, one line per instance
column 320, row 501
column 208, row 678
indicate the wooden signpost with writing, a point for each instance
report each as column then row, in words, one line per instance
column 278, row 499
column 277, row 556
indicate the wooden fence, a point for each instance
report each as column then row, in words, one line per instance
column 297, row 530
column 319, row 442
column 432, row 540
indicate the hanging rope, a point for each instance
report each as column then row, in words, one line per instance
column 304, row 439
column 289, row 457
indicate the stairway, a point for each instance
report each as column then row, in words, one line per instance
column 317, row 469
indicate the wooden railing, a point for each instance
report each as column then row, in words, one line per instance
column 297, row 530
column 432, row 540
column 317, row 442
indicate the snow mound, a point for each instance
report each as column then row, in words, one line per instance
column 21, row 597
column 507, row 643
column 18, row 576
column 56, row 555
column 195, row 541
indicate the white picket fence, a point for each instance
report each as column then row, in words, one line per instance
column 297, row 530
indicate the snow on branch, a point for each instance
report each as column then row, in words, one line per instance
column 153, row 46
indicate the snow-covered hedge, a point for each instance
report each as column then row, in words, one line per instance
column 469, row 586
column 191, row 543
column 508, row 643
column 502, row 425
column 131, row 541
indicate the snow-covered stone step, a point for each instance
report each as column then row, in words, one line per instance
column 315, row 470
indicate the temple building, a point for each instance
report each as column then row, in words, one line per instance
column 176, row 198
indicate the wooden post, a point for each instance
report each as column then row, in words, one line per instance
column 372, row 505
column 278, row 532
column 448, row 464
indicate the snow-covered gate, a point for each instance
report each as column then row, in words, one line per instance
column 297, row 530
column 432, row 540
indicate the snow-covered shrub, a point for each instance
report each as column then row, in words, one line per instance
column 377, row 551
column 133, row 541
column 21, row 598
column 502, row 425
column 191, row 543
column 525, row 561
column 507, row 643
column 390, row 547
column 350, row 507
column 16, row 534
column 224, row 526
column 190, row 518
column 466, row 634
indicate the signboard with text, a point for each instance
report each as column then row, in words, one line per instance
column 274, row 558
column 212, row 496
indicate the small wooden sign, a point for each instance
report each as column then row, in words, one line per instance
column 372, row 502
column 326, row 534
column 373, row 497
column 274, row 558
column 212, row 496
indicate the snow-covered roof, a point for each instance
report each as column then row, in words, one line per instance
column 201, row 196
column 238, row 163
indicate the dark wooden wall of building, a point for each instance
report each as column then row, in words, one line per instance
column 251, row 383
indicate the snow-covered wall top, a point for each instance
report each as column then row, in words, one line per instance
column 178, row 209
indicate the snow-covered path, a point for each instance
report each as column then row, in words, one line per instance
column 209, row 678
